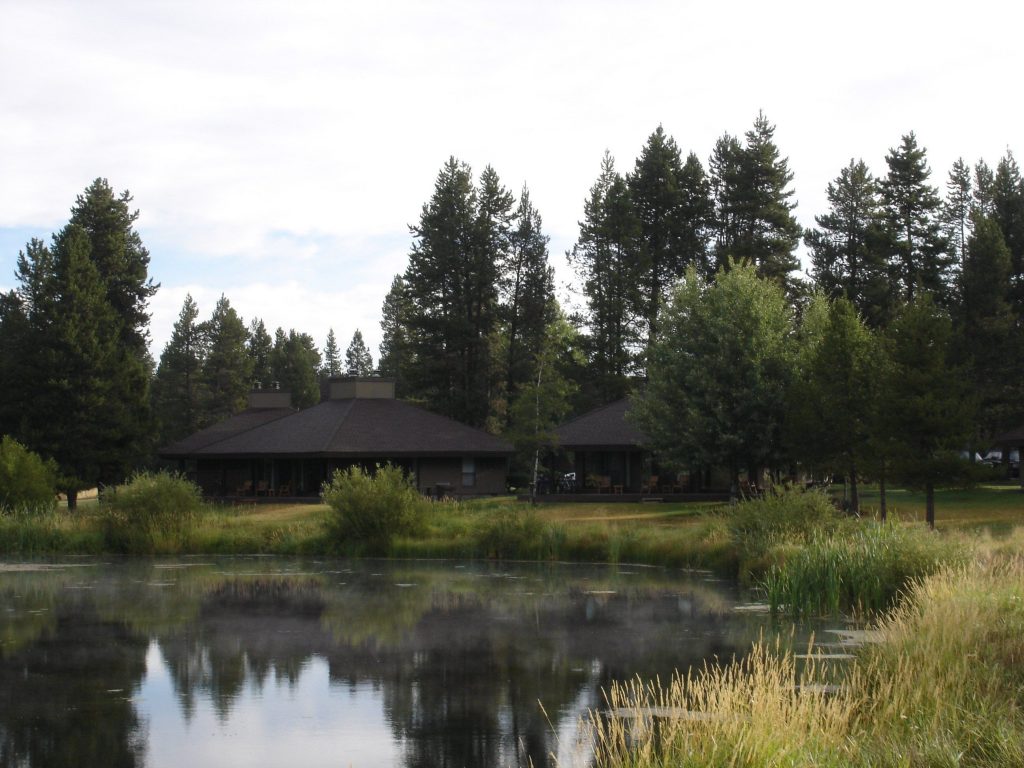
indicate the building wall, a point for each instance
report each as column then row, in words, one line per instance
column 489, row 478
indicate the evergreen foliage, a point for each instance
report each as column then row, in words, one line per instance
column 332, row 356
column 451, row 288
column 227, row 370
column 956, row 211
column 260, row 346
column 673, row 207
column 848, row 251
column 754, row 216
column 927, row 406
column 526, row 292
column 919, row 261
column 1008, row 212
column 605, row 258
column 835, row 391
column 177, row 387
column 395, row 352
column 358, row 361
column 295, row 366
column 990, row 341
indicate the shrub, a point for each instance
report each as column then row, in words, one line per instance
column 26, row 481
column 786, row 517
column 153, row 511
column 370, row 509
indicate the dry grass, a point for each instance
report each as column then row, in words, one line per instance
column 943, row 687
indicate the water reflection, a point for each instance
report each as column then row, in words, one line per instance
column 263, row 661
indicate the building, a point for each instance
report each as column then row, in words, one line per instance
column 270, row 449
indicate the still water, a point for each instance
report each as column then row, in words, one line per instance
column 271, row 662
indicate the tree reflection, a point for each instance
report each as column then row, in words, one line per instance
column 66, row 699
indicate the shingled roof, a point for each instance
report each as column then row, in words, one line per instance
column 604, row 428
column 230, row 427
column 349, row 428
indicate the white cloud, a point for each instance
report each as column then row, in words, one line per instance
column 281, row 140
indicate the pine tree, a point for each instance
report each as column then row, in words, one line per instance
column 834, row 391
column 919, row 261
column 672, row 205
column 395, row 353
column 984, row 180
column 1008, row 212
column 526, row 294
column 451, row 288
column 956, row 211
column 227, row 371
column 754, row 218
column 988, row 336
column 85, row 411
column 848, row 249
column 259, row 347
column 928, row 410
column 295, row 366
column 332, row 356
column 177, row 389
column 121, row 260
column 605, row 258
column 84, row 348
column 15, row 355
column 358, row 361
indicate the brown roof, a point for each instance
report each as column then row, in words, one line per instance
column 357, row 428
column 230, row 427
column 603, row 428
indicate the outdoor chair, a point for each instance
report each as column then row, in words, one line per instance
column 284, row 489
column 652, row 484
column 262, row 488
column 245, row 489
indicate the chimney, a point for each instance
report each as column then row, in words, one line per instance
column 361, row 388
column 270, row 398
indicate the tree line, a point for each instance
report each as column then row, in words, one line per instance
column 463, row 326
column 472, row 328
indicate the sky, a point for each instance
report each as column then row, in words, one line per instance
column 278, row 151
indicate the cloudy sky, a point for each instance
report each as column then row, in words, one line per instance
column 278, row 151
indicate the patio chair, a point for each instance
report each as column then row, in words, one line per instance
column 245, row 489
column 284, row 489
column 652, row 484
column 262, row 488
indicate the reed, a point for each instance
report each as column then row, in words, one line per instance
column 862, row 568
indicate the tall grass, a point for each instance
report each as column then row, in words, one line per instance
column 943, row 687
column 861, row 567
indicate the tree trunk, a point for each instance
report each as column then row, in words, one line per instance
column 854, row 495
column 72, row 500
column 881, row 492
column 929, row 504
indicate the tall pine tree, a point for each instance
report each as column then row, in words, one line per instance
column 177, row 386
column 919, row 261
column 295, row 366
column 227, row 371
column 848, row 248
column 606, row 259
column 358, row 361
column 754, row 215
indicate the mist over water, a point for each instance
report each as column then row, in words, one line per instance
column 268, row 662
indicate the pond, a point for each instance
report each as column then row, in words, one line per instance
column 267, row 661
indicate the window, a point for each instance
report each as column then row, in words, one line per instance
column 468, row 473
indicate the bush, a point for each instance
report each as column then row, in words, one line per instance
column 371, row 509
column 153, row 511
column 26, row 481
column 784, row 517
